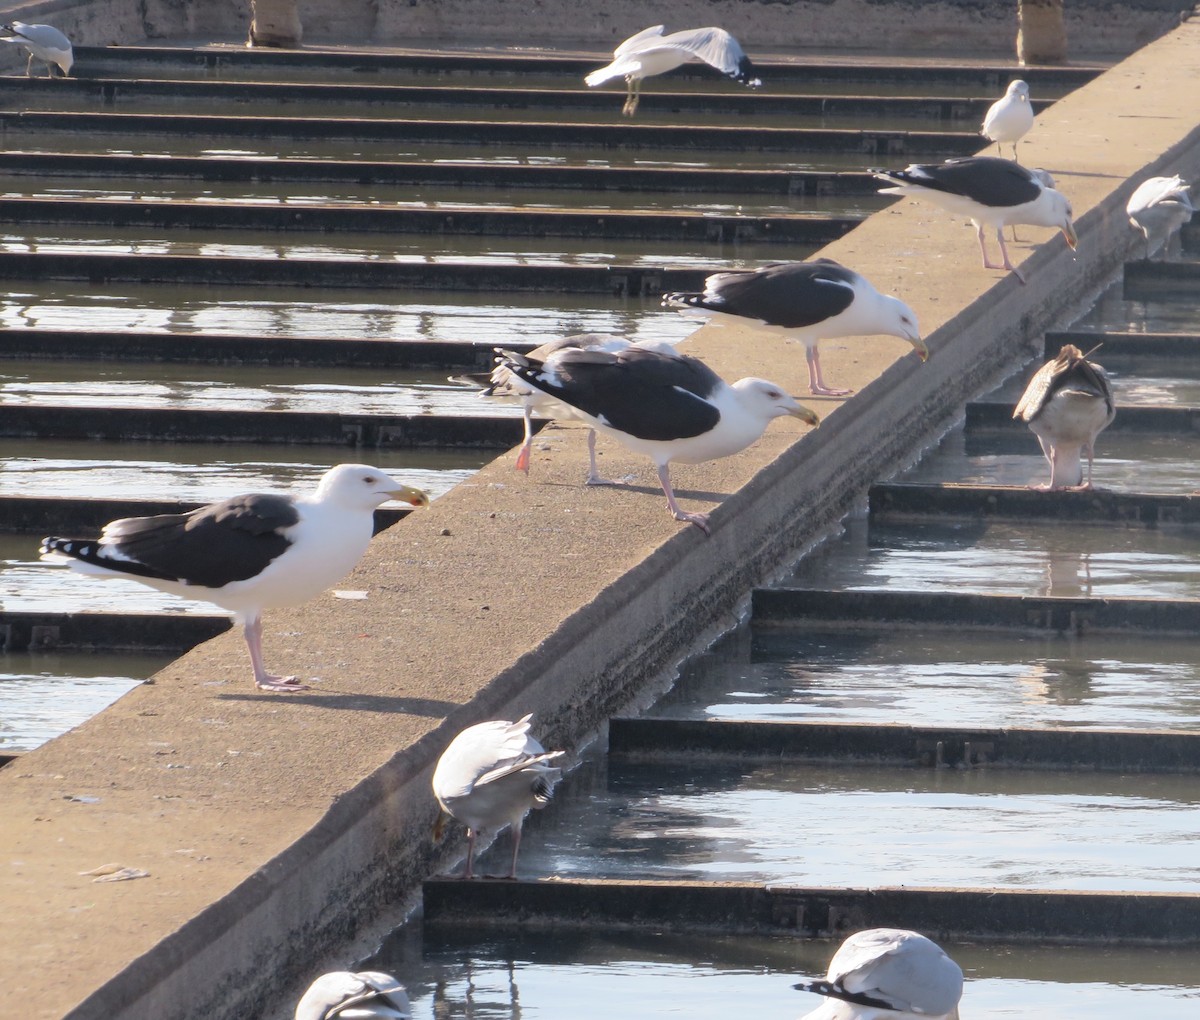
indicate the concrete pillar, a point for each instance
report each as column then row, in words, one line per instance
column 275, row 23
column 1041, row 33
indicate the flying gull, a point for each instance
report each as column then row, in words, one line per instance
column 656, row 401
column 888, row 972
column 1067, row 404
column 650, row 52
column 990, row 191
column 43, row 42
column 367, row 995
column 1160, row 205
column 248, row 553
column 805, row 301
column 1010, row 117
column 492, row 775
column 502, row 384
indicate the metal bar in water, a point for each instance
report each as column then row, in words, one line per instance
column 1125, row 345
column 618, row 280
column 481, row 173
column 986, row 914
column 990, row 415
column 489, row 221
column 44, row 515
column 648, row 739
column 900, row 501
column 44, row 632
column 1144, row 279
column 217, row 349
column 126, row 91
column 873, row 143
column 201, row 426
column 775, row 608
column 228, row 58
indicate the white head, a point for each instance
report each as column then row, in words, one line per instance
column 1018, row 90
column 1053, row 210
column 900, row 320
column 771, row 401
column 65, row 60
column 362, row 487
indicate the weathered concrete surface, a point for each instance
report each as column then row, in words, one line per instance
column 870, row 26
column 275, row 826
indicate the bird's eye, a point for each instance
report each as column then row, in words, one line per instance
column 368, row 479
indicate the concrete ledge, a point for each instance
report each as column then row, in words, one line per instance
column 299, row 818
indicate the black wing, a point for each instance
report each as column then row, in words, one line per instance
column 788, row 294
column 984, row 179
column 212, row 546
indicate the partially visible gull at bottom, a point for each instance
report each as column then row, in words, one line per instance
column 990, row 192
column 492, row 775
column 1067, row 404
column 888, row 973
column 1158, row 208
column 248, row 553
column 658, row 402
column 805, row 301
column 502, row 384
column 345, row 995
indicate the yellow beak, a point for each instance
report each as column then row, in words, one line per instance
column 921, row 349
column 1070, row 235
column 407, row 494
column 805, row 415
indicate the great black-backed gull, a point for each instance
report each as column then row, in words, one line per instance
column 366, row 995
column 888, row 972
column 650, row 52
column 1067, row 404
column 990, row 191
column 1010, row 117
column 1159, row 207
column 43, row 42
column 491, row 775
column 501, row 384
column 658, row 402
column 248, row 553
column 805, row 301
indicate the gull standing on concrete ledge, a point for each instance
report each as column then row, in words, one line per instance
column 805, row 301
column 44, row 42
column 248, row 553
column 650, row 52
column 367, row 995
column 502, row 384
column 1010, row 117
column 1067, row 404
column 490, row 776
column 888, row 972
column 991, row 191
column 1160, row 205
column 656, row 401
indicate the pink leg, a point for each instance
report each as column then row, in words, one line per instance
column 1004, row 252
column 700, row 520
column 522, row 463
column 594, row 477
column 469, row 873
column 987, row 262
column 815, row 383
column 516, row 834
column 262, row 679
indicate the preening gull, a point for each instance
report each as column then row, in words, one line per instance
column 492, row 775
column 1160, row 205
column 650, row 52
column 247, row 553
column 44, row 42
column 1067, row 404
column 990, row 191
column 805, row 301
column 658, row 402
column 344, row 995
column 502, row 384
column 1010, row 117
column 888, row 972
